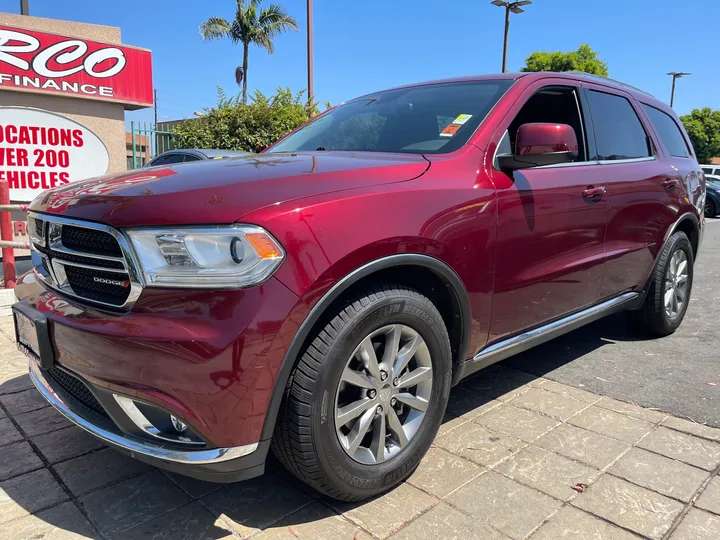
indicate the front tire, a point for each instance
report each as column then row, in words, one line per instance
column 669, row 294
column 368, row 395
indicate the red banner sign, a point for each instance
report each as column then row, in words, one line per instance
column 37, row 61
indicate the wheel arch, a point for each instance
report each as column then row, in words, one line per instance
column 390, row 266
column 690, row 225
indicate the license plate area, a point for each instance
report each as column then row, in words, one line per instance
column 32, row 335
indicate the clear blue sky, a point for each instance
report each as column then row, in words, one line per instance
column 361, row 46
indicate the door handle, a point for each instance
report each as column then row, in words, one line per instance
column 670, row 183
column 593, row 193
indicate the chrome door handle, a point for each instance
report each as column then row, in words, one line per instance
column 670, row 183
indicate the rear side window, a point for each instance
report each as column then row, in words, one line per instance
column 173, row 158
column 669, row 132
column 619, row 134
column 158, row 161
column 707, row 170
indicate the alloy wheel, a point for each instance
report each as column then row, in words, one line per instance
column 383, row 394
column 676, row 281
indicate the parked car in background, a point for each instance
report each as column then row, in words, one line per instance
column 712, row 199
column 711, row 169
column 187, row 155
column 323, row 297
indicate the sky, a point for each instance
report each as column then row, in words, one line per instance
column 368, row 45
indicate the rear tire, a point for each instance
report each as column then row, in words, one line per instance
column 668, row 296
column 336, row 374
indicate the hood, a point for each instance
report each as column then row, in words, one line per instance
column 222, row 191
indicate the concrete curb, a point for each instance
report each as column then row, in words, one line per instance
column 7, row 299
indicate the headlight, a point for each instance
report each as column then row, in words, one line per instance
column 222, row 257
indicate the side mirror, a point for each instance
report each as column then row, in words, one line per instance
column 541, row 144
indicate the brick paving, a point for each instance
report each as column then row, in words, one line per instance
column 517, row 457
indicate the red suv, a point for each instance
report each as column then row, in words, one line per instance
column 322, row 298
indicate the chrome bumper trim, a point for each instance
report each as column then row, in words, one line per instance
column 134, row 445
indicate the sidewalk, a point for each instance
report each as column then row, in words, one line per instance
column 517, row 457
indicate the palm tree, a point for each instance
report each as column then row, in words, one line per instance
column 250, row 25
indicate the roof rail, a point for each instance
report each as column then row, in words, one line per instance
column 600, row 78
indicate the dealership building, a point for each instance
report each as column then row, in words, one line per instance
column 64, row 90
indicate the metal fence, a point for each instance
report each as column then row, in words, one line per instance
column 6, row 236
column 148, row 140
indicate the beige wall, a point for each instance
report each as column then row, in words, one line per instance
column 93, row 32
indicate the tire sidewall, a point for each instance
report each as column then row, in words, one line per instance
column 346, row 473
column 713, row 209
column 680, row 241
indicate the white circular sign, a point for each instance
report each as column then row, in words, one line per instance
column 40, row 150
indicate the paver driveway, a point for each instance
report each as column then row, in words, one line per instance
column 517, row 457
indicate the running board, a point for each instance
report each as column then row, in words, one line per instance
column 527, row 340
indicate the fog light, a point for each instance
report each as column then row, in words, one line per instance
column 178, row 424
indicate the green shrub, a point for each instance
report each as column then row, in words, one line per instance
column 231, row 125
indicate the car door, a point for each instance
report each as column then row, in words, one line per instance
column 640, row 185
column 550, row 220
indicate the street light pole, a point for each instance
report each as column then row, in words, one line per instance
column 24, row 7
column 311, row 92
column 675, row 75
column 515, row 7
column 507, row 30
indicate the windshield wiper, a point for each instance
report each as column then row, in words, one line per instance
column 320, row 149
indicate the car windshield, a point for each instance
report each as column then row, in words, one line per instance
column 430, row 119
column 714, row 181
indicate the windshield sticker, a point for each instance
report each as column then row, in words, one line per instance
column 462, row 119
column 453, row 127
column 450, row 130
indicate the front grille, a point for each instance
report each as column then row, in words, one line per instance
column 90, row 241
column 80, row 259
column 84, row 260
column 76, row 388
column 107, row 287
column 40, row 228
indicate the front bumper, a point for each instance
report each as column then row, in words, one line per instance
column 215, row 464
column 209, row 359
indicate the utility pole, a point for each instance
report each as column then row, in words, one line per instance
column 311, row 92
column 675, row 75
column 515, row 7
column 24, row 7
column 155, row 105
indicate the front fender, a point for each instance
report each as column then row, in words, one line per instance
column 442, row 270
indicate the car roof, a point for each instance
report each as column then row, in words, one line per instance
column 531, row 76
column 208, row 153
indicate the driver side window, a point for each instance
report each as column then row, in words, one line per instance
column 555, row 105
